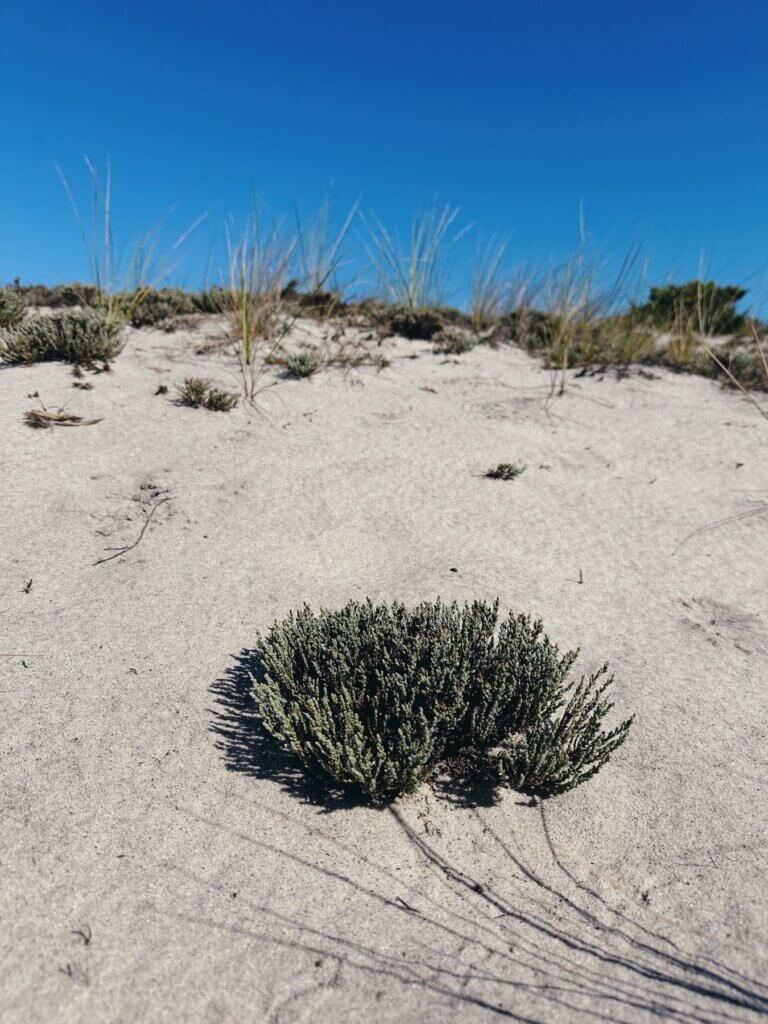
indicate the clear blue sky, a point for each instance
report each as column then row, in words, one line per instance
column 653, row 114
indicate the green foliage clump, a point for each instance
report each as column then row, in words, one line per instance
column 455, row 343
column 61, row 296
column 564, row 747
column 212, row 300
column 505, row 471
column 378, row 698
column 201, row 394
column 414, row 324
column 304, row 364
column 12, row 308
column 531, row 329
column 709, row 307
column 151, row 307
column 82, row 337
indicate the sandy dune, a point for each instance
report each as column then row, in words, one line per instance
column 156, row 866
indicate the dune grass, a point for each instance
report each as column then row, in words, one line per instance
column 412, row 277
column 490, row 290
column 320, row 253
column 259, row 265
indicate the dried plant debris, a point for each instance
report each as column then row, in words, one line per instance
column 45, row 418
column 149, row 514
column 505, row 471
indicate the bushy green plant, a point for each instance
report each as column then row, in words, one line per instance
column 414, row 324
column 200, row 393
column 564, row 747
column 211, row 300
column 82, row 337
column 12, row 308
column 532, row 329
column 456, row 344
column 152, row 307
column 61, row 296
column 710, row 308
column 377, row 698
column 304, row 364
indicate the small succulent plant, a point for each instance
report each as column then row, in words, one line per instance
column 304, row 364
column 201, row 394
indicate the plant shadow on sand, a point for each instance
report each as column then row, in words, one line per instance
column 543, row 942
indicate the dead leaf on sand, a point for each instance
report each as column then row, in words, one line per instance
column 44, row 418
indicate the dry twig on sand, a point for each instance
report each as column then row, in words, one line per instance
column 129, row 547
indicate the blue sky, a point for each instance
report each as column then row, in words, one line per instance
column 651, row 114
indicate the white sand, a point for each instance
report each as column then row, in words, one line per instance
column 211, row 894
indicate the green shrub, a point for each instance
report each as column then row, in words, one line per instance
column 455, row 344
column 74, row 337
column 377, row 698
column 565, row 747
column 200, row 393
column 61, row 296
column 213, row 300
column 709, row 307
column 304, row 364
column 153, row 307
column 505, row 471
column 319, row 304
column 532, row 329
column 12, row 307
column 414, row 324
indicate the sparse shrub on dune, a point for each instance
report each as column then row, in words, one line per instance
column 454, row 343
column 304, row 364
column 211, row 300
column 378, row 698
column 201, row 394
column 12, row 308
column 154, row 307
column 82, row 337
column 710, row 308
column 61, row 296
column 415, row 324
